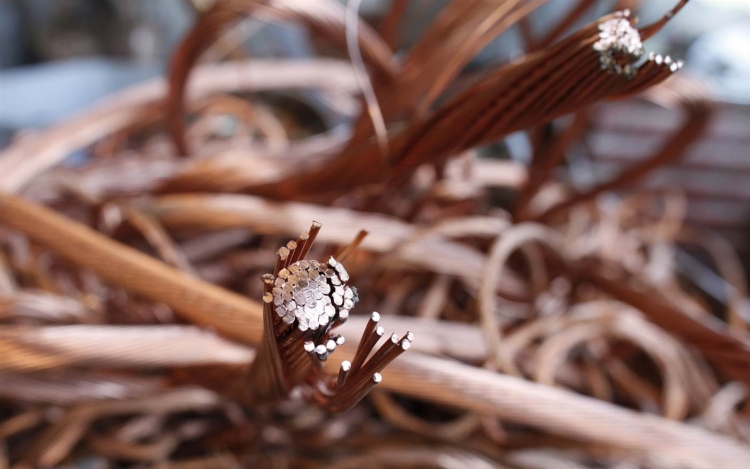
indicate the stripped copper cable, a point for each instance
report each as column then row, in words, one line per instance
column 603, row 60
column 303, row 300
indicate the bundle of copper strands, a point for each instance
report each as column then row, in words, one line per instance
column 303, row 300
column 557, row 328
column 619, row 47
column 603, row 60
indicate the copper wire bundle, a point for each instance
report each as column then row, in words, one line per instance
column 302, row 301
column 557, row 323
column 600, row 61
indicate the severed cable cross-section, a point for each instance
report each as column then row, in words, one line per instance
column 303, row 301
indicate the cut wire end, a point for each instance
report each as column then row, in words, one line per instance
column 619, row 46
column 303, row 300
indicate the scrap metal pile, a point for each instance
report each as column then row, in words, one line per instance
column 162, row 303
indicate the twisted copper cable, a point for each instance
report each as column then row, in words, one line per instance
column 295, row 344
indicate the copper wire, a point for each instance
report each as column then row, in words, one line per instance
column 312, row 234
column 370, row 337
column 295, row 344
column 291, row 246
column 282, row 254
column 301, row 241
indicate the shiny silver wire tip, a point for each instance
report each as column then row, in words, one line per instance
column 304, row 300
